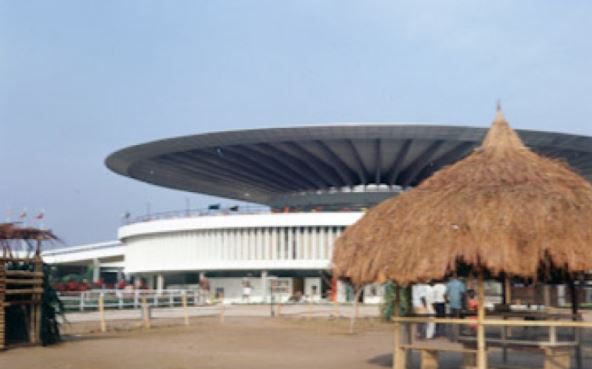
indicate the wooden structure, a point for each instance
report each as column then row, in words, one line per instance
column 22, row 288
column 502, row 212
column 21, row 277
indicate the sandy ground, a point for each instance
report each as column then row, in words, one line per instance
column 239, row 342
column 251, row 341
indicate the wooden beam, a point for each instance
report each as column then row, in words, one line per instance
column 31, row 281
column 498, row 322
column 23, row 273
column 20, row 302
column 24, row 291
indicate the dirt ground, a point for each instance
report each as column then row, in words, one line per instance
column 240, row 342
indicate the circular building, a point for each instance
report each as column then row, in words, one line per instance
column 314, row 182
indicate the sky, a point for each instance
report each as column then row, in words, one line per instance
column 81, row 79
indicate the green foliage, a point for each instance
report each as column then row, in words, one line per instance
column 71, row 278
column 52, row 309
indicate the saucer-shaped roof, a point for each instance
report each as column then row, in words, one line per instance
column 262, row 165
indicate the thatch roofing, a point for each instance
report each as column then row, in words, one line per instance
column 10, row 231
column 11, row 235
column 503, row 208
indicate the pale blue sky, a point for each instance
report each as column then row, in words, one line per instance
column 80, row 79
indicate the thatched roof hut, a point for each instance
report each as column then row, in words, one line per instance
column 502, row 209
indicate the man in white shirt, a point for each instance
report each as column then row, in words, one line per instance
column 422, row 299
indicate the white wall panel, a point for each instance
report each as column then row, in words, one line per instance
column 272, row 247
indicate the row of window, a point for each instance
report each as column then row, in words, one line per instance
column 273, row 243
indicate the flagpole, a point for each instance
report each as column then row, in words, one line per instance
column 23, row 217
column 41, row 218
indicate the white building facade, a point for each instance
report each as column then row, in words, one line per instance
column 293, row 250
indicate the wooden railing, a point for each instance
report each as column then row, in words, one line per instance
column 557, row 353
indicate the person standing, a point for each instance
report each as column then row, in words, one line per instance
column 439, row 299
column 455, row 294
column 417, row 299
column 247, row 289
column 422, row 297
column 204, row 289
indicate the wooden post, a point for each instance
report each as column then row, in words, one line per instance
column 221, row 307
column 2, row 290
column 337, row 308
column 507, row 300
column 36, row 299
column 39, row 300
column 146, row 313
column 184, row 301
column 102, row 312
column 507, row 290
column 481, row 349
column 399, row 355
column 354, row 316
column 575, row 305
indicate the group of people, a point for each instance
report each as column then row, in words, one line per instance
column 441, row 299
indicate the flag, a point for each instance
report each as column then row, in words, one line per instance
column 40, row 215
column 214, row 207
column 233, row 208
column 23, row 214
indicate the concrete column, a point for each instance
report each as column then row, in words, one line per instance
column 224, row 244
column 219, row 251
column 160, row 282
column 290, row 248
column 281, row 242
column 322, row 243
column 299, row 243
column 259, row 244
column 252, row 244
column 96, row 265
column 274, row 244
column 264, row 286
column 314, row 250
column 330, row 241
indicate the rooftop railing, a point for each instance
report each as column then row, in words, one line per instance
column 192, row 213
column 225, row 211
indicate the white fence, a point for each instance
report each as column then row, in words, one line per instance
column 124, row 299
